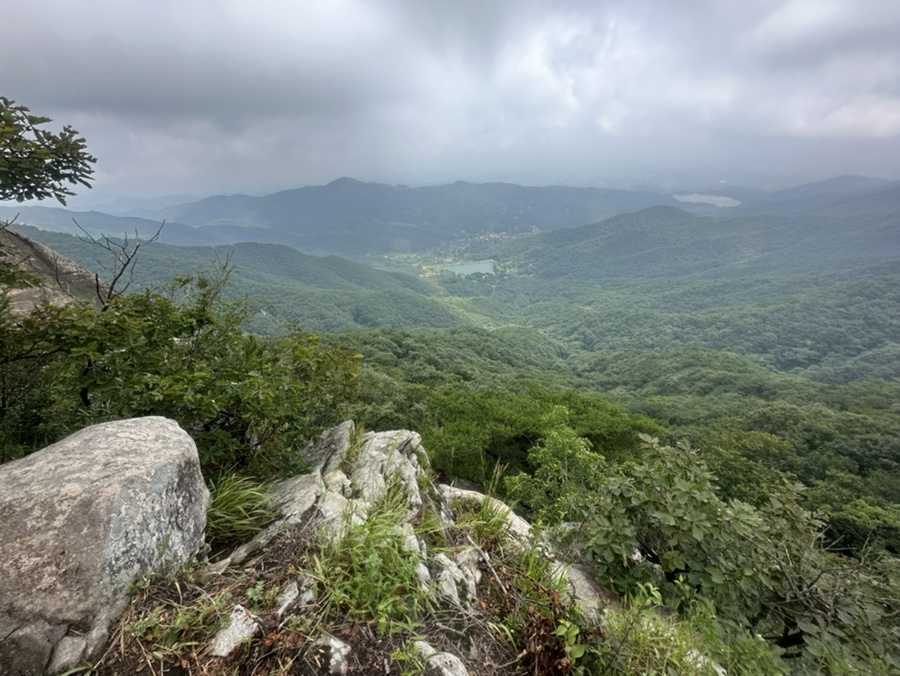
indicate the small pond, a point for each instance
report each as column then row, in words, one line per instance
column 716, row 200
column 476, row 267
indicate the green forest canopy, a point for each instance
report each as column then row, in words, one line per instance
column 771, row 384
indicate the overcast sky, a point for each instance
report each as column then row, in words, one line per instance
column 223, row 96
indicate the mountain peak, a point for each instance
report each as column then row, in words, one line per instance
column 344, row 181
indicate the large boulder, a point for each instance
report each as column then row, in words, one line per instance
column 80, row 521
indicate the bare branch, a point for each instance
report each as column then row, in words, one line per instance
column 4, row 224
column 125, row 255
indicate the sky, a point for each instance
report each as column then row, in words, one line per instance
column 209, row 97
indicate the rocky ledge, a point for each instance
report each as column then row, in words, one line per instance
column 368, row 566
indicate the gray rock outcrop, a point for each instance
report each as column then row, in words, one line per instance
column 340, row 484
column 59, row 281
column 350, row 476
column 80, row 521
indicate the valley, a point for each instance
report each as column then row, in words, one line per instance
column 767, row 341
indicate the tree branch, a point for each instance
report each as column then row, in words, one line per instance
column 125, row 255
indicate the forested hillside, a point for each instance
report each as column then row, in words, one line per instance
column 746, row 362
column 812, row 294
column 809, row 196
column 355, row 219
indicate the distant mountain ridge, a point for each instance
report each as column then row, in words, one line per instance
column 808, row 290
column 885, row 199
column 96, row 223
column 817, row 196
column 141, row 207
column 353, row 219
column 666, row 242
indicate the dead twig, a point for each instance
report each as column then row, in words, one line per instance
column 124, row 253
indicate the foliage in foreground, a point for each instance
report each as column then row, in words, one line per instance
column 368, row 573
column 238, row 509
column 642, row 637
column 659, row 520
column 36, row 163
column 362, row 586
column 249, row 402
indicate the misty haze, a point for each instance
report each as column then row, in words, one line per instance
column 631, row 267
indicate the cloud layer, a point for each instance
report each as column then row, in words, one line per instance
column 212, row 96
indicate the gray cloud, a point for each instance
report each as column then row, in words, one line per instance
column 228, row 95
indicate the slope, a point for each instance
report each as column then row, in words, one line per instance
column 353, row 218
column 322, row 293
column 97, row 224
column 664, row 242
column 810, row 196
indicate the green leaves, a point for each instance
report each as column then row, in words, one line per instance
column 658, row 520
column 568, row 633
column 249, row 402
column 35, row 163
column 238, row 509
column 368, row 573
column 566, row 471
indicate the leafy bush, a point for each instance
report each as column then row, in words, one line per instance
column 249, row 402
column 659, row 520
column 641, row 637
column 368, row 573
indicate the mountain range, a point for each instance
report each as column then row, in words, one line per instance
column 666, row 242
column 811, row 289
column 355, row 219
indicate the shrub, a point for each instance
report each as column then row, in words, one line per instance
column 659, row 520
column 249, row 402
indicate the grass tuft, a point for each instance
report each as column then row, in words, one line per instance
column 367, row 573
column 239, row 509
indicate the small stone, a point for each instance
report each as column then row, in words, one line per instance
column 240, row 627
column 287, row 597
column 68, row 651
column 339, row 652
column 449, row 577
column 423, row 576
column 307, row 590
column 467, row 560
column 440, row 663
column 583, row 590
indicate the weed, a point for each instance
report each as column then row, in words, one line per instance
column 85, row 669
column 641, row 638
column 408, row 659
column 172, row 628
column 484, row 521
column 367, row 573
column 569, row 632
column 239, row 509
column 357, row 437
column 261, row 597
column 430, row 527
